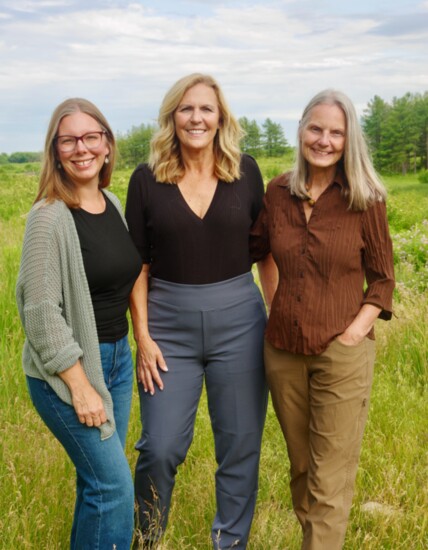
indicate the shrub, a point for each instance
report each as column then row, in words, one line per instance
column 423, row 176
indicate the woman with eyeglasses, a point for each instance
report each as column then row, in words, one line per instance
column 78, row 268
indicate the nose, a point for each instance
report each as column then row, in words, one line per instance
column 324, row 138
column 80, row 146
column 196, row 115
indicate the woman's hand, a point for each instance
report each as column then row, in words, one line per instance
column 149, row 361
column 348, row 338
column 360, row 326
column 86, row 401
column 88, row 406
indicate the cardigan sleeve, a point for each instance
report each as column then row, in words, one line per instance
column 378, row 259
column 39, row 293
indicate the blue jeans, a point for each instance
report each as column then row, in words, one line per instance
column 104, row 510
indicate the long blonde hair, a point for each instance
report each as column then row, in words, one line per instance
column 54, row 183
column 364, row 184
column 165, row 155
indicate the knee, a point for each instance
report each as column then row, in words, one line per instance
column 163, row 454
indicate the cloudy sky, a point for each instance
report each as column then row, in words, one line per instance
column 269, row 56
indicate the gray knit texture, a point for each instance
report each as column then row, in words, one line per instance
column 55, row 304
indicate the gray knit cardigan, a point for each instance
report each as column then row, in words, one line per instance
column 55, row 304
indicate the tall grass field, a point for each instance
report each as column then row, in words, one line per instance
column 390, row 507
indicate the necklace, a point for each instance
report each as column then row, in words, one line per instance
column 309, row 198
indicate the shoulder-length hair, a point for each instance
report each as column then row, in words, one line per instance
column 363, row 183
column 165, row 155
column 54, row 183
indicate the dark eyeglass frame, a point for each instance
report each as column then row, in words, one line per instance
column 77, row 139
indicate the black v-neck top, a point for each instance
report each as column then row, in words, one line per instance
column 183, row 248
column 112, row 265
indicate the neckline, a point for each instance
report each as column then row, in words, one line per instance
column 84, row 211
column 190, row 209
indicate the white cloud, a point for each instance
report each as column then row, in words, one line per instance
column 269, row 58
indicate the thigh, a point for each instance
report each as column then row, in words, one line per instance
column 118, row 369
column 172, row 411
column 340, row 386
column 288, row 381
column 234, row 372
column 97, row 461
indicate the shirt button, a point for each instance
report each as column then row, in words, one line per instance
column 302, row 274
column 299, row 298
column 296, row 323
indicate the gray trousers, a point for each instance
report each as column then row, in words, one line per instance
column 214, row 333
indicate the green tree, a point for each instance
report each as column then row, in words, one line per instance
column 421, row 108
column 398, row 132
column 21, row 157
column 134, row 146
column 273, row 139
column 4, row 158
column 375, row 123
column 251, row 143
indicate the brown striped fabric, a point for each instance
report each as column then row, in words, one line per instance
column 328, row 267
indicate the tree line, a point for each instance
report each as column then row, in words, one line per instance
column 397, row 133
column 266, row 140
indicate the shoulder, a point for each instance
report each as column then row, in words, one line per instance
column 375, row 212
column 280, row 184
column 249, row 165
column 142, row 179
column 143, row 172
column 113, row 198
column 48, row 214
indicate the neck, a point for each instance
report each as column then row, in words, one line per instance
column 320, row 179
column 91, row 198
column 200, row 161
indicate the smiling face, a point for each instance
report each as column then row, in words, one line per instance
column 197, row 118
column 82, row 165
column 323, row 138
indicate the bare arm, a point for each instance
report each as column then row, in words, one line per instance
column 360, row 326
column 149, row 356
column 85, row 399
column 268, row 273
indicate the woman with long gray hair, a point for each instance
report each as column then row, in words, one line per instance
column 326, row 226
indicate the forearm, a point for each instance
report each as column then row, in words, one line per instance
column 268, row 273
column 74, row 377
column 138, row 305
column 361, row 325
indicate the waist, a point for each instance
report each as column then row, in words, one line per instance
column 204, row 296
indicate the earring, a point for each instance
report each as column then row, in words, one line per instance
column 106, row 160
column 59, row 166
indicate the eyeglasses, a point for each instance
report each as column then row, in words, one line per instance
column 67, row 144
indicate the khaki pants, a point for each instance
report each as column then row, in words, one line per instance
column 321, row 402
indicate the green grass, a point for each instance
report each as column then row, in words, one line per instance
column 37, row 479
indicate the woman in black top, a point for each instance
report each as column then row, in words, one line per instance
column 78, row 267
column 196, row 311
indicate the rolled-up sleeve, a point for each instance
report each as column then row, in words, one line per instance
column 378, row 260
column 39, row 296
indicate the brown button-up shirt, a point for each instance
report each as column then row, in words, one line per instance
column 328, row 267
